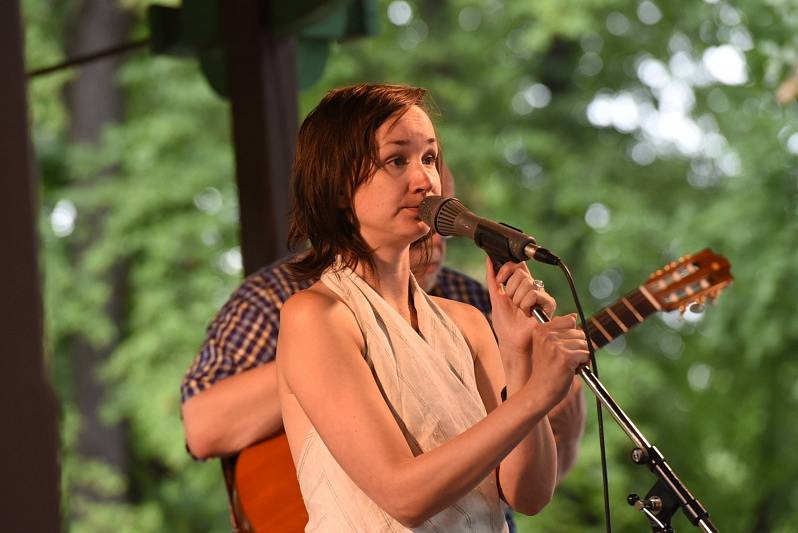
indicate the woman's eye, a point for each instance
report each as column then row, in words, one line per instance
column 398, row 162
column 430, row 159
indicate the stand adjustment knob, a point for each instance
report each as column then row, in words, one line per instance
column 639, row 456
column 653, row 504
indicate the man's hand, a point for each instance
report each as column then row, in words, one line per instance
column 567, row 420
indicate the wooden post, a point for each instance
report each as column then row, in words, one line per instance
column 29, row 447
column 262, row 77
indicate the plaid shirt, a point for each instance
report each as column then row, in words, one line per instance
column 244, row 333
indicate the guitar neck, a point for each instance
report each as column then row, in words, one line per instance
column 618, row 318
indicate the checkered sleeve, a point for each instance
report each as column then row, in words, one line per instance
column 455, row 285
column 242, row 336
column 244, row 333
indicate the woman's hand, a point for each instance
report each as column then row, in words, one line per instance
column 559, row 350
column 512, row 305
column 547, row 354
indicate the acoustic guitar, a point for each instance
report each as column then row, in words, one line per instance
column 265, row 494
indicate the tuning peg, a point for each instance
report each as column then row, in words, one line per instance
column 697, row 307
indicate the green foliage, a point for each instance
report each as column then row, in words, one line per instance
column 717, row 396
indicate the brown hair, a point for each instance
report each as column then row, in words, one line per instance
column 337, row 152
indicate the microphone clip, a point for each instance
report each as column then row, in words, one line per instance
column 515, row 246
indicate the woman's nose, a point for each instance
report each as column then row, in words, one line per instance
column 424, row 178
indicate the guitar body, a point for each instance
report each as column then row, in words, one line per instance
column 267, row 488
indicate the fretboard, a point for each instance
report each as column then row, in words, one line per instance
column 618, row 318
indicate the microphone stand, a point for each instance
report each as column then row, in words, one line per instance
column 668, row 493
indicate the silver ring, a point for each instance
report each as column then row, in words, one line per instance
column 539, row 286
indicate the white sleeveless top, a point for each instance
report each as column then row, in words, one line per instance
column 428, row 383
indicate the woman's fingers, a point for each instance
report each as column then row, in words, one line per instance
column 495, row 290
column 517, row 283
column 540, row 298
column 521, row 287
column 523, row 296
column 564, row 322
column 574, row 344
column 505, row 271
column 491, row 276
column 509, row 268
column 571, row 333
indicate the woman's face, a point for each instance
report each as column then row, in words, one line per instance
column 387, row 205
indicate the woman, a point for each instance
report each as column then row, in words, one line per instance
column 391, row 398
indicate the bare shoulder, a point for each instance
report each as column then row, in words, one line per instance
column 470, row 320
column 316, row 298
column 463, row 314
column 317, row 312
column 313, row 303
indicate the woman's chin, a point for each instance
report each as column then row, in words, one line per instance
column 419, row 231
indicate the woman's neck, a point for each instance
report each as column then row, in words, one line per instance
column 391, row 280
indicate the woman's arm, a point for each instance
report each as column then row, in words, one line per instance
column 527, row 474
column 321, row 362
column 530, row 473
column 523, row 356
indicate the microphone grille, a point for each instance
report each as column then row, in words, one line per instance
column 448, row 212
column 428, row 210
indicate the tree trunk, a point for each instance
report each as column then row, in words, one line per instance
column 94, row 101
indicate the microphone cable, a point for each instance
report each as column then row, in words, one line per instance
column 599, row 415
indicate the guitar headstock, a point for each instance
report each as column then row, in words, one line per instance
column 692, row 279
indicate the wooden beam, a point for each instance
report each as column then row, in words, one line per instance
column 262, row 77
column 29, row 447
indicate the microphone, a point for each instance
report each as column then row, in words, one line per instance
column 503, row 243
